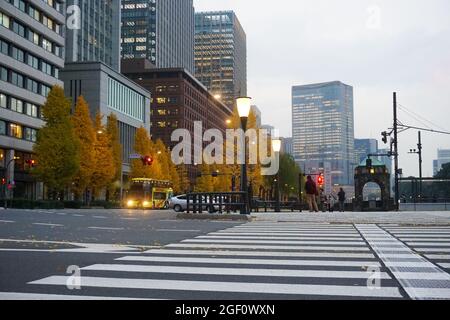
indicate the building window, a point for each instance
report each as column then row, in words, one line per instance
column 3, row 74
column 17, row 79
column 2, row 100
column 2, row 152
column 30, row 134
column 4, row 20
column 16, row 105
column 4, row 47
column 32, row 110
column 18, row 54
column 15, row 130
column 2, row 128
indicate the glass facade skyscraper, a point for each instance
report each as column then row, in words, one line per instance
column 160, row 30
column 97, row 37
column 363, row 147
column 221, row 55
column 323, row 130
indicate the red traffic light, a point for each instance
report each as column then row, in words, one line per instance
column 3, row 181
column 31, row 162
column 147, row 160
column 320, row 180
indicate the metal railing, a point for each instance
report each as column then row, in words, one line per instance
column 221, row 202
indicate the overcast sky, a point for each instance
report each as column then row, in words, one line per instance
column 377, row 46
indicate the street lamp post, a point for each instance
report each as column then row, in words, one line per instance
column 243, row 106
column 276, row 146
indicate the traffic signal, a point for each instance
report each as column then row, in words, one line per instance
column 31, row 163
column 320, row 180
column 3, row 181
column 147, row 160
column 385, row 135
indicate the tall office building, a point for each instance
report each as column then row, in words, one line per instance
column 95, row 36
column 364, row 147
column 31, row 47
column 323, row 131
column 160, row 30
column 257, row 114
column 287, row 146
column 221, row 55
column 443, row 157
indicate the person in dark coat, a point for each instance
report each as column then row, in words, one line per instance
column 341, row 196
column 311, row 194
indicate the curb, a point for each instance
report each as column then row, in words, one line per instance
column 202, row 216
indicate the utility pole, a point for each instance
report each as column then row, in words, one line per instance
column 419, row 147
column 397, row 196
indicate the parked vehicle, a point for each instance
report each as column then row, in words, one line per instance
column 179, row 204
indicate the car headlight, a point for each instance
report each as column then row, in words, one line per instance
column 146, row 204
column 130, row 203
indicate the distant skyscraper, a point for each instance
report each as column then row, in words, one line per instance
column 387, row 161
column 221, row 54
column 257, row 113
column 287, row 146
column 98, row 38
column 323, row 132
column 443, row 157
column 363, row 147
column 160, row 30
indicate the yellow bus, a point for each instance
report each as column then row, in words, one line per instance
column 148, row 194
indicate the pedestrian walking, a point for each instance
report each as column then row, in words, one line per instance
column 311, row 194
column 341, row 196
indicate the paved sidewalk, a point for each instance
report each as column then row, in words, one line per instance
column 409, row 218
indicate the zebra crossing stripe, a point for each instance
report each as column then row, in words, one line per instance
column 438, row 256
column 424, row 250
column 256, row 246
column 236, row 287
column 444, row 265
column 263, row 253
column 252, row 261
column 272, row 238
column 235, row 271
column 41, row 296
column 354, row 243
column 417, row 284
column 288, row 234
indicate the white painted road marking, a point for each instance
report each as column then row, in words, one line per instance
column 176, row 230
column 213, row 286
column 48, row 224
column 99, row 217
column 6, row 221
column 105, row 228
column 354, row 243
column 264, row 253
column 255, row 246
column 39, row 296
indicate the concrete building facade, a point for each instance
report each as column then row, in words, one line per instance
column 106, row 92
column 179, row 100
column 31, row 57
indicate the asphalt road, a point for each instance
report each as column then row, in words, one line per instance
column 152, row 255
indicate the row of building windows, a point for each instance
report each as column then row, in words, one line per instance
column 37, row 15
column 24, row 82
column 18, row 105
column 17, row 131
column 25, row 57
column 125, row 100
column 29, row 34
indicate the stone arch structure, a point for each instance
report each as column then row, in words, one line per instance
column 378, row 174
